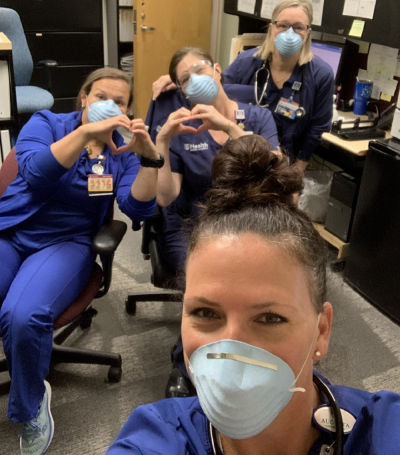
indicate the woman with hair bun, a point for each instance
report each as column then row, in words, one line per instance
column 254, row 321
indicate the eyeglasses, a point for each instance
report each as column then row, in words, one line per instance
column 197, row 68
column 283, row 26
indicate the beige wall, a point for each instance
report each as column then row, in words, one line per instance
column 229, row 29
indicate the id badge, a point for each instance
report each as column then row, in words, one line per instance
column 287, row 108
column 100, row 185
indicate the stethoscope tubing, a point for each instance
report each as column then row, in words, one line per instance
column 322, row 387
column 265, row 66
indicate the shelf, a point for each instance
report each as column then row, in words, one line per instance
column 343, row 248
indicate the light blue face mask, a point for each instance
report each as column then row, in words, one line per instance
column 288, row 43
column 102, row 110
column 201, row 89
column 241, row 388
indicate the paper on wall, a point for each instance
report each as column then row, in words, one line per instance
column 359, row 8
column 246, row 6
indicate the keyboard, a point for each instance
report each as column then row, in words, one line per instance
column 360, row 134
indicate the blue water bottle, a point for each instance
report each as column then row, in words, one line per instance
column 362, row 94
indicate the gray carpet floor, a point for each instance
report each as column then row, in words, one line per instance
column 89, row 411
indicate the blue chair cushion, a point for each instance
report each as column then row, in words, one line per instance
column 31, row 99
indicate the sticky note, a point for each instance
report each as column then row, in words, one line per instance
column 385, row 96
column 357, row 28
column 364, row 47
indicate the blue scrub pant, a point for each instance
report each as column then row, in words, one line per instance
column 173, row 246
column 35, row 289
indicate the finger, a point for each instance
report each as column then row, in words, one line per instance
column 124, row 148
column 201, row 128
column 189, row 129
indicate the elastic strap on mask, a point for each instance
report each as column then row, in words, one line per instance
column 300, row 389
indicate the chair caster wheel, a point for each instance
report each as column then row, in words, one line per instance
column 114, row 374
column 130, row 306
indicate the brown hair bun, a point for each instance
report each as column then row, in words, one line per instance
column 246, row 173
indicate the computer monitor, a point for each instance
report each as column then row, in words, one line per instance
column 331, row 53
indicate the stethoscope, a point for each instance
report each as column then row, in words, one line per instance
column 336, row 446
column 300, row 111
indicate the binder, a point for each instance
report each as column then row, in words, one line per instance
column 5, row 95
column 5, row 144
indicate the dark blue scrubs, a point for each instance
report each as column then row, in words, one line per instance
column 191, row 156
column 299, row 136
column 178, row 426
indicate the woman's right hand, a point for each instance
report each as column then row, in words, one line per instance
column 162, row 84
column 174, row 125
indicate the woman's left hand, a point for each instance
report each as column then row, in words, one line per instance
column 212, row 119
column 140, row 142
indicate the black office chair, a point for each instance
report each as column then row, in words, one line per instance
column 80, row 312
column 161, row 276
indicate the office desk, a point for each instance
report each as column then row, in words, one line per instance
column 358, row 148
column 350, row 156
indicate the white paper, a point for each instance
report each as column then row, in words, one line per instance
column 318, row 8
column 389, row 87
column 376, row 92
column 246, row 6
column 268, row 7
column 397, row 72
column 359, row 8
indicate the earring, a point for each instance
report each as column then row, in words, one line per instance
column 83, row 106
column 317, row 353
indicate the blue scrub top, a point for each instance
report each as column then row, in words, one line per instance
column 192, row 155
column 47, row 203
column 299, row 136
column 178, row 426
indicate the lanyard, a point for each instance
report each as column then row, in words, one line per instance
column 300, row 111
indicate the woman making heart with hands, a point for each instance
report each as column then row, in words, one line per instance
column 190, row 139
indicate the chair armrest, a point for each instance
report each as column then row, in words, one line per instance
column 48, row 66
column 109, row 237
column 105, row 243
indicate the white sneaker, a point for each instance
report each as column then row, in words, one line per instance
column 36, row 435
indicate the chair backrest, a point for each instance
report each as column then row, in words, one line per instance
column 8, row 170
column 10, row 24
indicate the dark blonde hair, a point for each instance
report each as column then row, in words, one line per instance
column 253, row 192
column 104, row 73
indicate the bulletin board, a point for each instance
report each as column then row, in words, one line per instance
column 382, row 29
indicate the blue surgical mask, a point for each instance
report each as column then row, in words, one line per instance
column 201, row 89
column 241, row 388
column 102, row 110
column 288, row 43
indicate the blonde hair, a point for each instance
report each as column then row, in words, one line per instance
column 104, row 73
column 268, row 47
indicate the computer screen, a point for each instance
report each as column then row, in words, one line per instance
column 330, row 53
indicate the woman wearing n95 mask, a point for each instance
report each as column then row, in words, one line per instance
column 48, row 217
column 190, row 138
column 254, row 320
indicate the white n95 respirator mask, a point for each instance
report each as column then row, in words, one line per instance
column 102, row 110
column 241, row 388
